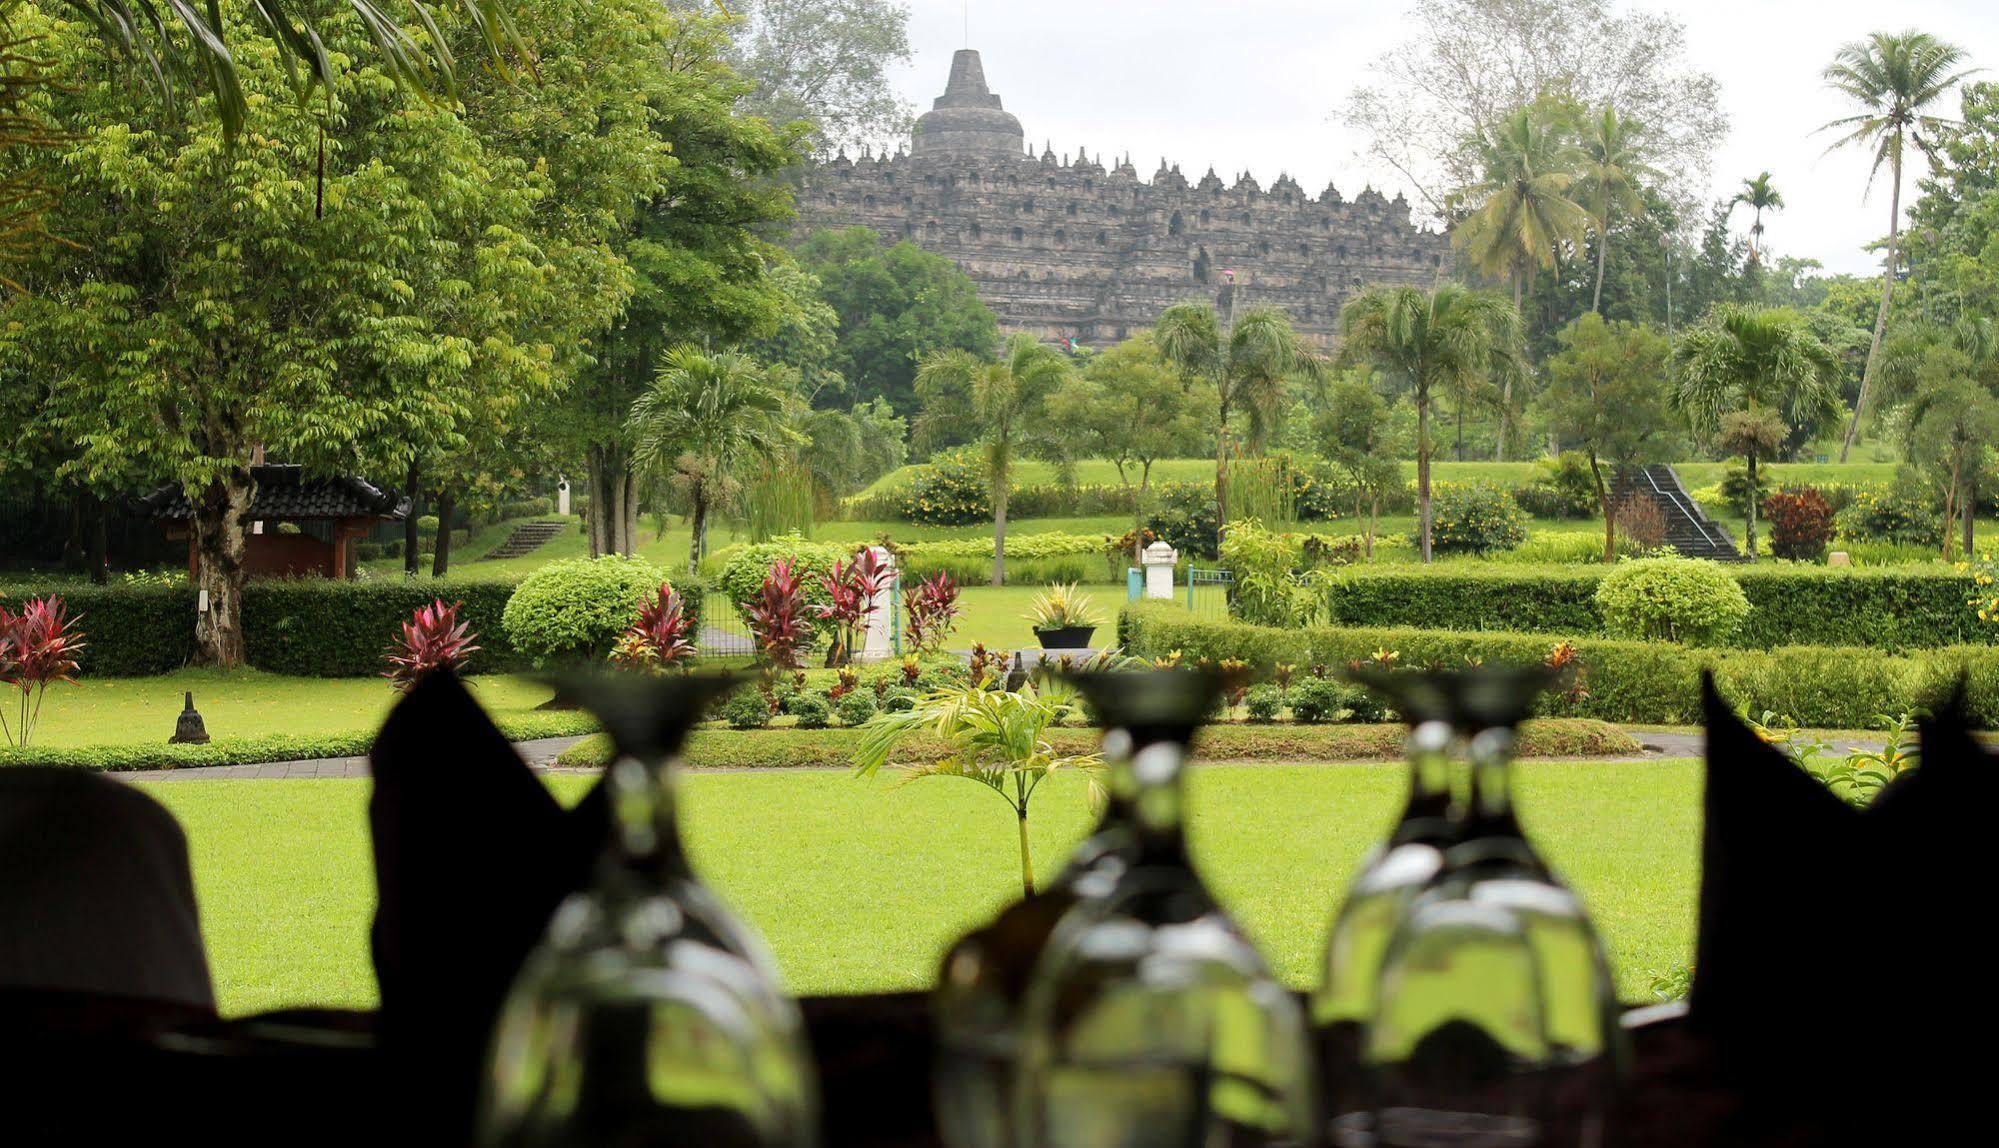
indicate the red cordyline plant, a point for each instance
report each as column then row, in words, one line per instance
column 851, row 588
column 932, row 606
column 777, row 618
column 660, row 638
column 432, row 639
column 38, row 648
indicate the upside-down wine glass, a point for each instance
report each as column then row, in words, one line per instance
column 648, row 1015
column 1150, row 1020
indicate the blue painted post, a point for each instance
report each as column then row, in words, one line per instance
column 1134, row 583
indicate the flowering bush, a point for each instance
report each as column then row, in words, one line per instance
column 1672, row 599
column 932, row 609
column 660, row 638
column 38, row 648
column 1800, row 524
column 431, row 638
column 851, row 588
column 951, row 490
column 1475, row 518
column 1879, row 515
column 777, row 618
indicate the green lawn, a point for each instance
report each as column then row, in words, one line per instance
column 858, row 886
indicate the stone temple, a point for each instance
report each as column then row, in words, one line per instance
column 1068, row 248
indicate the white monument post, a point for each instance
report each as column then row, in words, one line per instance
column 1158, row 561
column 562, row 498
column 879, row 642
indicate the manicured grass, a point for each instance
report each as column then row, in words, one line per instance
column 244, row 703
column 858, row 885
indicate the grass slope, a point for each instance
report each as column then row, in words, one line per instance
column 858, row 885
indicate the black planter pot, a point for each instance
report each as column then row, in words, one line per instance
column 1066, row 638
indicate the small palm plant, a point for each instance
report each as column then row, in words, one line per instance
column 431, row 639
column 994, row 736
column 1061, row 607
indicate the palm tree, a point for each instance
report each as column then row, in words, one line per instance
column 1611, row 179
column 1524, row 211
column 1747, row 375
column 1760, row 196
column 1429, row 342
column 1946, row 378
column 1246, row 357
column 961, row 389
column 197, row 55
column 1893, row 77
column 710, row 418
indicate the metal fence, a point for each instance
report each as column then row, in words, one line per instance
column 1208, row 592
column 723, row 635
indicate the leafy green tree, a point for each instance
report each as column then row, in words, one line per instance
column 1524, row 210
column 1426, row 342
column 896, row 306
column 1357, row 432
column 1758, row 195
column 209, row 304
column 1894, row 78
column 1001, row 399
column 1610, row 180
column 1946, row 378
column 1607, row 395
column 827, row 64
column 1953, row 235
column 1746, row 376
column 709, row 421
column 1246, row 359
column 1133, row 409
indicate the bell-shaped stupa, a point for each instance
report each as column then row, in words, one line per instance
column 967, row 119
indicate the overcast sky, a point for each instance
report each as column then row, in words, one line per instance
column 1257, row 84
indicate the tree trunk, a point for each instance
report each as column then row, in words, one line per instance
column 221, row 524
column 1602, row 247
column 412, row 544
column 1373, row 518
column 1750, row 532
column 1459, row 449
column 1970, row 509
column 1880, row 315
column 1609, row 510
column 1026, row 857
column 1506, row 382
column 1222, row 471
column 593, row 501
column 614, row 510
column 1423, row 474
column 699, row 522
column 447, row 505
column 999, row 532
column 631, row 500
column 1138, row 513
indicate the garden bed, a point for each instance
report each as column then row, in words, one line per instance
column 130, row 757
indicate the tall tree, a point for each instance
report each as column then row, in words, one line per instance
column 1607, row 395
column 1953, row 235
column 1894, row 78
column 708, row 421
column 1245, row 358
column 1356, row 431
column 1758, row 195
column 827, row 64
column 1946, row 377
column 1746, row 376
column 1524, row 212
column 1134, row 410
column 999, row 398
column 1610, row 179
column 1426, row 343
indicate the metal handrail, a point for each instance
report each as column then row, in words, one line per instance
column 1698, row 520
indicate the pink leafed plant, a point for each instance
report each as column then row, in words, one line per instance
column 777, row 618
column 932, row 606
column 432, row 639
column 660, row 638
column 851, row 588
column 38, row 648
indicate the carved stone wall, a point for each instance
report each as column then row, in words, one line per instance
column 1067, row 248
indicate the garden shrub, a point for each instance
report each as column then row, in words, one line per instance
column 1563, row 488
column 1671, row 599
column 856, row 707
column 1268, row 587
column 1183, row 515
column 1890, row 515
column 1800, row 524
column 1315, row 701
column 950, row 490
column 742, row 576
column 1263, row 702
column 1475, row 518
column 575, row 608
column 746, row 709
column 1641, row 526
column 809, row 710
column 899, row 700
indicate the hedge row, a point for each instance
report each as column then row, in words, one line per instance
column 308, row 627
column 1789, row 605
column 1838, row 687
column 1237, row 741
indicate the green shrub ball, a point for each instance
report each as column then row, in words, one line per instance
column 810, row 711
column 1316, row 701
column 855, row 708
column 576, row 608
column 746, row 710
column 1263, row 703
column 1672, row 599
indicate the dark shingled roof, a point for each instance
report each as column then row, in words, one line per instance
column 284, row 493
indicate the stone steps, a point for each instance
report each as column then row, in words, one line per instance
column 527, row 538
column 1689, row 530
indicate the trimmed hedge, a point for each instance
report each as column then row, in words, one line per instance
column 1888, row 609
column 716, row 748
column 308, row 627
column 1838, row 687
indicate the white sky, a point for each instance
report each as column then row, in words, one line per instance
column 1255, row 84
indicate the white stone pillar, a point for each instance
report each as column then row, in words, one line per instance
column 879, row 642
column 1158, row 562
column 562, row 498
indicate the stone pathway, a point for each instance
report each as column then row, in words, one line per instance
column 540, row 754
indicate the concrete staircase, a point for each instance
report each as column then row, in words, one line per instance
column 1689, row 530
column 527, row 538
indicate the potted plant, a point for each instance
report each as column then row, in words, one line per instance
column 1063, row 618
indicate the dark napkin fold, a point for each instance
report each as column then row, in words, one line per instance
column 472, row 855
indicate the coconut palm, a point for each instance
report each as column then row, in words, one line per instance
column 709, row 420
column 1246, row 358
column 1610, row 179
column 1759, row 195
column 1523, row 211
column 1747, row 376
column 1429, row 343
column 1894, row 77
column 960, row 389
